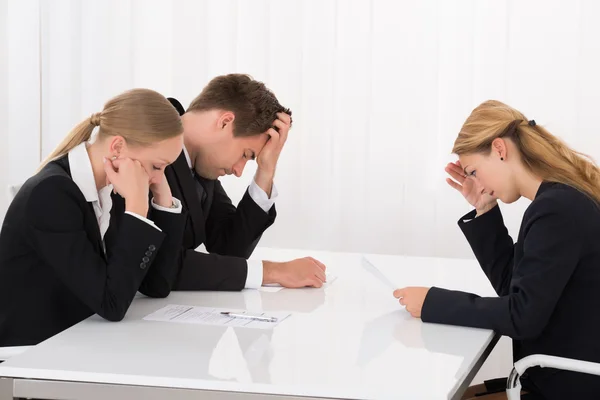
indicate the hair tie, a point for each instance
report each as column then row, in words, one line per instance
column 95, row 119
column 532, row 122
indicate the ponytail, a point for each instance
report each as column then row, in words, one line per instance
column 80, row 134
column 554, row 161
column 542, row 153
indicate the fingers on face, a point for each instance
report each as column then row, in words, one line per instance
column 456, row 173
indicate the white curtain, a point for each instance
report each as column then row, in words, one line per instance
column 19, row 93
column 379, row 89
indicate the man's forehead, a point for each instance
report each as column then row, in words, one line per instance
column 254, row 142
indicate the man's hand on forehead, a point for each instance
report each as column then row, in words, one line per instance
column 284, row 116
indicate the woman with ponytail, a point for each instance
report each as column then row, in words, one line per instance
column 81, row 236
column 548, row 282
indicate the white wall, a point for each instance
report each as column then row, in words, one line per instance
column 379, row 89
column 19, row 83
column 3, row 105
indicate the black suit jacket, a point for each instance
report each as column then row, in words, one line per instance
column 230, row 234
column 548, row 285
column 53, row 270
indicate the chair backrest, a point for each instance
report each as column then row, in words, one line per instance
column 12, row 191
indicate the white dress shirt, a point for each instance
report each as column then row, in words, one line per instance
column 83, row 176
column 255, row 267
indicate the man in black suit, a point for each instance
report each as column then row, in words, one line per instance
column 233, row 120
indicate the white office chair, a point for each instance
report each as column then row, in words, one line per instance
column 513, row 385
column 12, row 191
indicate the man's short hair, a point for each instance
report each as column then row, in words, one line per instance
column 255, row 107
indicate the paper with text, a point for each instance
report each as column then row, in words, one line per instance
column 212, row 316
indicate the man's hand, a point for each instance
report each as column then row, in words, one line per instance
column 269, row 155
column 298, row 273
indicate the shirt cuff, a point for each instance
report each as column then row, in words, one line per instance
column 175, row 210
column 254, row 277
column 260, row 197
column 146, row 220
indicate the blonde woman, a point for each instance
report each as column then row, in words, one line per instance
column 548, row 282
column 81, row 236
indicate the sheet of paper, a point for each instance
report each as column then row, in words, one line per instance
column 211, row 316
column 369, row 266
column 330, row 279
column 275, row 287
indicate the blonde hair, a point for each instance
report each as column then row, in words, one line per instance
column 141, row 116
column 542, row 153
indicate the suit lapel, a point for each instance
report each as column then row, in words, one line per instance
column 187, row 185
column 97, row 239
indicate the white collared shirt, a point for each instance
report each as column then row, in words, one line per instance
column 83, row 176
column 261, row 198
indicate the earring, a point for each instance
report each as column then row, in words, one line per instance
column 501, row 158
column 113, row 158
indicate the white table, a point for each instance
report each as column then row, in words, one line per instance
column 350, row 339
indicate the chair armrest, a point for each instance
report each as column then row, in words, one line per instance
column 513, row 385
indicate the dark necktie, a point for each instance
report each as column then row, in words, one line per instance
column 200, row 188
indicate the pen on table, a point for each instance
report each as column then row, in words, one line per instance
column 249, row 316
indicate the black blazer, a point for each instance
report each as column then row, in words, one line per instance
column 53, row 270
column 230, row 234
column 548, row 285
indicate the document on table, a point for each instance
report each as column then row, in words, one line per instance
column 369, row 266
column 275, row 287
column 212, row 316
